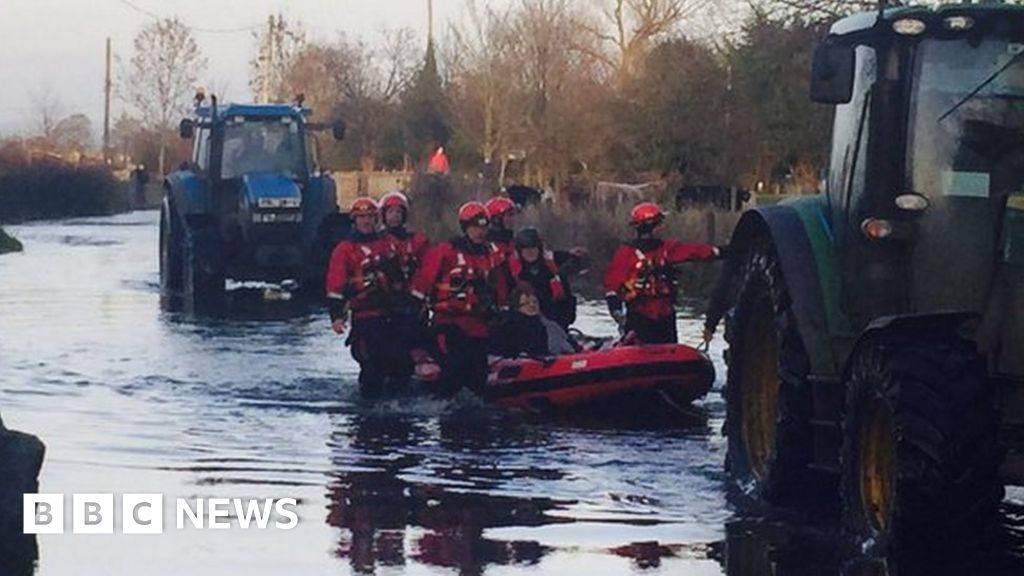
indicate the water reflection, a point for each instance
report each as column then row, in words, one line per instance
column 261, row 402
column 773, row 547
column 387, row 517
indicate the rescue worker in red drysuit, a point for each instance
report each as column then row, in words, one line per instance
column 358, row 283
column 406, row 310
column 438, row 163
column 544, row 271
column 641, row 278
column 502, row 212
column 462, row 281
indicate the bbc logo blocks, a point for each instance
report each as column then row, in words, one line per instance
column 144, row 513
column 93, row 514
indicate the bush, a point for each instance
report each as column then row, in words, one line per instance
column 50, row 188
column 598, row 229
column 602, row 230
column 8, row 243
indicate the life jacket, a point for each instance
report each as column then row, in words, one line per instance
column 651, row 277
column 361, row 273
column 504, row 239
column 558, row 292
column 409, row 248
column 465, row 287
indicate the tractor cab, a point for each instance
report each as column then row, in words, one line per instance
column 876, row 331
column 253, row 200
column 927, row 166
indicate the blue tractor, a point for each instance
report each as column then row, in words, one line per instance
column 252, row 205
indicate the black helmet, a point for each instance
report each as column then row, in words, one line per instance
column 528, row 238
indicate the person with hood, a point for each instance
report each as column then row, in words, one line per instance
column 544, row 271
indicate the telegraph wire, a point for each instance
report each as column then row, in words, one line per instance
column 200, row 29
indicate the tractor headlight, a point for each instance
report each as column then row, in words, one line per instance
column 909, row 27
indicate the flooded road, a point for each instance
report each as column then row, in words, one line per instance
column 130, row 399
column 263, row 404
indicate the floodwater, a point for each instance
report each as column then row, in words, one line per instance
column 263, row 404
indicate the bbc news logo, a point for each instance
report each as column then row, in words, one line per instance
column 144, row 513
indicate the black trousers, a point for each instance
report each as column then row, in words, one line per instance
column 463, row 360
column 382, row 346
column 653, row 331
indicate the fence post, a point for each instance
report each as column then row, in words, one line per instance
column 709, row 226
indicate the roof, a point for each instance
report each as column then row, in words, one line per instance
column 254, row 110
column 866, row 20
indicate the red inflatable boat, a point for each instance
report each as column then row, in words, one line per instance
column 670, row 372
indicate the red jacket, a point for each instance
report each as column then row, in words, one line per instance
column 641, row 275
column 411, row 248
column 463, row 283
column 358, row 278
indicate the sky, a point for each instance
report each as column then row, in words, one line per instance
column 57, row 46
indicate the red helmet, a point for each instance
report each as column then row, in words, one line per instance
column 499, row 206
column 473, row 213
column 392, row 199
column 363, row 207
column 646, row 213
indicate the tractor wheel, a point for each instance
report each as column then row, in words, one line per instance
column 171, row 253
column 203, row 269
column 768, row 402
column 920, row 458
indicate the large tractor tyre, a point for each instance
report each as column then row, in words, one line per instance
column 332, row 230
column 203, row 269
column 768, row 401
column 920, row 458
column 171, row 253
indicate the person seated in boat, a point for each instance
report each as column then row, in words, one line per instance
column 545, row 271
column 523, row 330
column 357, row 284
column 461, row 283
column 640, row 282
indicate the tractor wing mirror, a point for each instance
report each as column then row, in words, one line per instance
column 338, row 130
column 186, row 129
column 832, row 73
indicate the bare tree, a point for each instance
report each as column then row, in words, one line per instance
column 359, row 82
column 162, row 75
column 820, row 10
column 485, row 76
column 73, row 134
column 277, row 48
column 633, row 27
column 46, row 112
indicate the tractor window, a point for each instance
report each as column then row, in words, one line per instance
column 257, row 145
column 848, row 164
column 967, row 119
column 201, row 155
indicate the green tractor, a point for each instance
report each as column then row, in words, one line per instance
column 876, row 331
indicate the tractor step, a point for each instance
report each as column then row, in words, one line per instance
column 828, row 434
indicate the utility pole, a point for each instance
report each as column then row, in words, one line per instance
column 107, row 89
column 430, row 22
column 268, row 61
